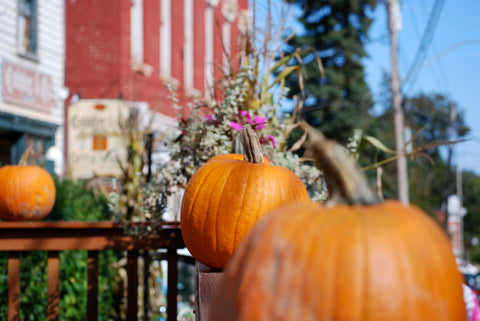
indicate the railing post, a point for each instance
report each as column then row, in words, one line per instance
column 53, row 267
column 132, row 286
column 172, row 259
column 146, row 285
column 92, row 285
column 13, row 285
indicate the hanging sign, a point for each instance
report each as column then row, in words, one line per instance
column 96, row 145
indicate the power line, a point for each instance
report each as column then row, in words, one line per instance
column 424, row 43
column 439, row 66
column 403, row 57
column 414, row 20
column 444, row 52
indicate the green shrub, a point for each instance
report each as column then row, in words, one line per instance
column 75, row 201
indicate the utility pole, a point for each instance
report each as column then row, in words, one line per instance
column 393, row 13
column 463, row 210
column 452, row 136
column 455, row 210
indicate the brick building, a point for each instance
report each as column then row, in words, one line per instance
column 130, row 49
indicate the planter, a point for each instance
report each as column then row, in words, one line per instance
column 206, row 281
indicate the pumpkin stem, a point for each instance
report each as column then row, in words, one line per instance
column 27, row 156
column 252, row 150
column 345, row 182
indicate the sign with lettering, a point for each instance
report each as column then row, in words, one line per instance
column 25, row 86
column 95, row 141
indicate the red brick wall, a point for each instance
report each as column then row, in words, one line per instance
column 237, row 42
column 141, row 87
column 199, row 44
column 98, row 50
column 218, row 43
column 93, row 47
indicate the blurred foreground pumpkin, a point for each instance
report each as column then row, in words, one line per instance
column 228, row 195
column 355, row 259
column 27, row 192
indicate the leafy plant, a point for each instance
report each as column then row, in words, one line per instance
column 78, row 201
column 209, row 127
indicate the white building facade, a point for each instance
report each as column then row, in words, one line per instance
column 32, row 92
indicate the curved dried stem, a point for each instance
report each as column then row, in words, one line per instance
column 346, row 183
column 252, row 150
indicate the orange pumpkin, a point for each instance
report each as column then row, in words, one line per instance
column 363, row 260
column 227, row 196
column 27, row 192
column 240, row 157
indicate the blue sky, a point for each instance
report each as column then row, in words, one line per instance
column 452, row 62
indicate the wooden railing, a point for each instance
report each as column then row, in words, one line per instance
column 54, row 237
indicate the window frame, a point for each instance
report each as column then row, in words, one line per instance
column 27, row 9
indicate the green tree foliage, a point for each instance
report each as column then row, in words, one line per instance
column 430, row 175
column 340, row 100
column 433, row 113
column 432, row 178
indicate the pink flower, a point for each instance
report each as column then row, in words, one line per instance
column 245, row 114
column 259, row 122
column 235, row 126
column 272, row 139
column 209, row 119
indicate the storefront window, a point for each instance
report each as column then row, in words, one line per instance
column 7, row 140
column 17, row 133
column 27, row 27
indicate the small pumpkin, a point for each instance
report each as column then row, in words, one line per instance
column 356, row 259
column 27, row 193
column 228, row 195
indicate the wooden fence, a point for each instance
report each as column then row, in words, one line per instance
column 54, row 237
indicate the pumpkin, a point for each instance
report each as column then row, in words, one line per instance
column 356, row 258
column 227, row 196
column 239, row 157
column 27, row 192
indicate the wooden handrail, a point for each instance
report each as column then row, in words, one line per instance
column 93, row 237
